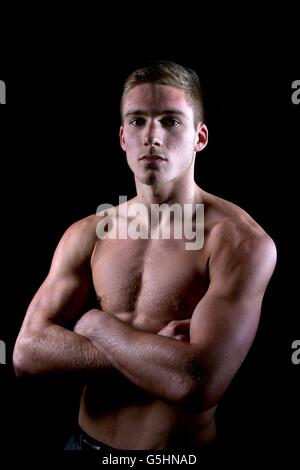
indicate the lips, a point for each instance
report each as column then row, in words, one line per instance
column 152, row 158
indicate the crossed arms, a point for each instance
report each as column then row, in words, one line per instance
column 195, row 373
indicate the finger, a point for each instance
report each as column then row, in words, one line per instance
column 185, row 338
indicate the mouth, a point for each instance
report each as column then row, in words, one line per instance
column 153, row 158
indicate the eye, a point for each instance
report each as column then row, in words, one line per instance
column 138, row 122
column 170, row 122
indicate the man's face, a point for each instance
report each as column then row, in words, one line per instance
column 158, row 133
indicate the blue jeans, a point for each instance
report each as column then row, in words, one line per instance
column 80, row 440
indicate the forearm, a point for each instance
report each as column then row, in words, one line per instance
column 159, row 365
column 58, row 350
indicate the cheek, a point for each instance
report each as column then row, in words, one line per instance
column 184, row 142
column 131, row 139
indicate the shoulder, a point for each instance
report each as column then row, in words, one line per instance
column 228, row 222
column 77, row 243
column 236, row 239
column 83, row 230
column 246, row 241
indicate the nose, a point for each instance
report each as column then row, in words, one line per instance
column 152, row 135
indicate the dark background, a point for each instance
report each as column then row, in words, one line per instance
column 61, row 159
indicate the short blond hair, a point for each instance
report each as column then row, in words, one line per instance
column 169, row 73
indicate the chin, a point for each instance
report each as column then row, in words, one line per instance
column 153, row 179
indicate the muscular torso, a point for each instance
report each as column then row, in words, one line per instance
column 146, row 283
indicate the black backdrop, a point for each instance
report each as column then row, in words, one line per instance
column 61, row 159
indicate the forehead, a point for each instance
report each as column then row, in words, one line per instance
column 152, row 97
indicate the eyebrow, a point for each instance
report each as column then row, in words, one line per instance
column 140, row 112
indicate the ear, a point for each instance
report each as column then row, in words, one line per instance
column 122, row 140
column 202, row 137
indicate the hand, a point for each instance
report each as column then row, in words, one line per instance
column 177, row 329
column 84, row 326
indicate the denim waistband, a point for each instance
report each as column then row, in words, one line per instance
column 87, row 442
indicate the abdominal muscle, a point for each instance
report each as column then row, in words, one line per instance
column 116, row 412
column 146, row 423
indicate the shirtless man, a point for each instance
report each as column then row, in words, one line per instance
column 173, row 325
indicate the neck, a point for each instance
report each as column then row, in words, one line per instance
column 181, row 190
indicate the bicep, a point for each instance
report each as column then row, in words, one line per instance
column 221, row 332
column 63, row 294
column 59, row 300
column 225, row 321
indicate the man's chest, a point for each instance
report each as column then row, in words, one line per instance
column 148, row 283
